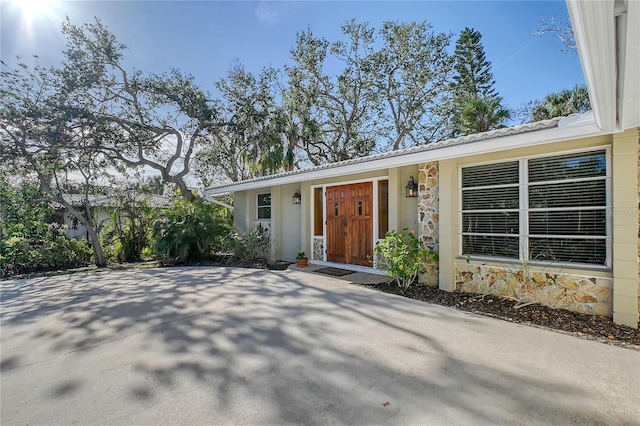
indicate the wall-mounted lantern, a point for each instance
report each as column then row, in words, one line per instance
column 411, row 188
column 297, row 198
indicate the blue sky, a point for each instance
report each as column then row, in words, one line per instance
column 204, row 38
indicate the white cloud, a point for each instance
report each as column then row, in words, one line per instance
column 267, row 12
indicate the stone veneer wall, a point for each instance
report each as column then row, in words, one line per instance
column 318, row 249
column 429, row 215
column 584, row 294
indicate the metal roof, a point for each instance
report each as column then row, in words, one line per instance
column 493, row 134
column 153, row 200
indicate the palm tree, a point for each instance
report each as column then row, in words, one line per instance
column 562, row 103
column 482, row 114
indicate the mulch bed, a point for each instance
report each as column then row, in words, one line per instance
column 279, row 265
column 598, row 328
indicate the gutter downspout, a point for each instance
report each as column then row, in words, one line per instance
column 220, row 203
column 620, row 25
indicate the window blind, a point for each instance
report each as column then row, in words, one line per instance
column 560, row 201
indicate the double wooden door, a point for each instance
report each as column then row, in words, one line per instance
column 350, row 223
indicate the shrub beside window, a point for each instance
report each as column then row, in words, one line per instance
column 401, row 255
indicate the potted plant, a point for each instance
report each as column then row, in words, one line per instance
column 301, row 259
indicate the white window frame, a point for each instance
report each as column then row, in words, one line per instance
column 258, row 206
column 523, row 210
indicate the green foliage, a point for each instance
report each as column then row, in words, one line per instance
column 477, row 105
column 254, row 245
column 44, row 139
column 134, row 119
column 22, row 209
column 403, row 258
column 392, row 89
column 412, row 72
column 27, row 243
column 333, row 114
column 127, row 233
column 251, row 142
column 482, row 115
column 473, row 78
column 49, row 250
column 301, row 255
column 188, row 231
column 563, row 103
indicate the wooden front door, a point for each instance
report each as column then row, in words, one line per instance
column 350, row 223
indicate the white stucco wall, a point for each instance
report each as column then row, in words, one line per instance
column 287, row 239
column 291, row 224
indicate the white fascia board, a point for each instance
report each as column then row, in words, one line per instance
column 629, row 64
column 568, row 129
column 594, row 29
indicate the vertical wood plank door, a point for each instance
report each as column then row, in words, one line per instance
column 360, row 224
column 350, row 223
column 336, row 224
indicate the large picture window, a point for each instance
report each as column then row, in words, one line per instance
column 538, row 209
column 264, row 206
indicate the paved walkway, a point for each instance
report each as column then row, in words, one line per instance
column 242, row 346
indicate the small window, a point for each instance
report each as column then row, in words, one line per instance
column 317, row 212
column 383, row 208
column 264, row 206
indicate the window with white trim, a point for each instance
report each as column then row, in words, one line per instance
column 550, row 208
column 264, row 206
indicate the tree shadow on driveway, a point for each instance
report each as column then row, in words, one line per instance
column 239, row 346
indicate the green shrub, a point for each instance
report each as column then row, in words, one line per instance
column 126, row 234
column 27, row 242
column 16, row 255
column 254, row 245
column 188, row 231
column 48, row 249
column 402, row 257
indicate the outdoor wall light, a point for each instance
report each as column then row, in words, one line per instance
column 411, row 188
column 297, row 198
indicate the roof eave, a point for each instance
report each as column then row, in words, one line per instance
column 629, row 64
column 608, row 41
column 594, row 30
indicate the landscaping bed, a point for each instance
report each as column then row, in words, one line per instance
column 597, row 328
column 279, row 265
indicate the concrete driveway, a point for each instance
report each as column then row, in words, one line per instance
column 242, row 346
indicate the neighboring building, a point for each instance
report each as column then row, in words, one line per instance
column 556, row 200
column 102, row 206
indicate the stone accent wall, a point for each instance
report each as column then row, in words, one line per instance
column 584, row 294
column 318, row 249
column 429, row 215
